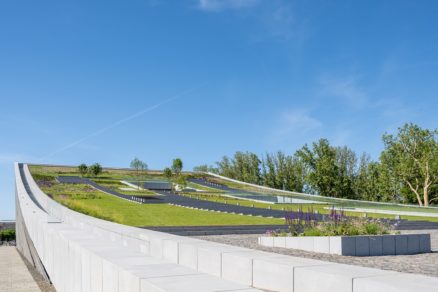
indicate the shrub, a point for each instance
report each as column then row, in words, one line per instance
column 7, row 235
column 42, row 177
column 83, row 169
column 337, row 224
column 95, row 169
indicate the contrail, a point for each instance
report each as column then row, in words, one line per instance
column 119, row 122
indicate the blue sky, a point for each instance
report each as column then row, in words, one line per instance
column 104, row 81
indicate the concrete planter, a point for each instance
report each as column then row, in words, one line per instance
column 374, row 245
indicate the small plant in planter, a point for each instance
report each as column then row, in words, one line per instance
column 305, row 224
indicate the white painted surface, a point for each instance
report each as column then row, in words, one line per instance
column 396, row 283
column 336, row 277
column 131, row 185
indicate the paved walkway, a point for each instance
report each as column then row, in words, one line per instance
column 193, row 203
column 424, row 264
column 182, row 201
column 14, row 275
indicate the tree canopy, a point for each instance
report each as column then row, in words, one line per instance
column 406, row 171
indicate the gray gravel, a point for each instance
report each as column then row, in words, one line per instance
column 425, row 264
column 43, row 284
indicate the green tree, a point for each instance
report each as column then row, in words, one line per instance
column 177, row 166
column 295, row 178
column 201, row 168
column 226, row 167
column 346, row 164
column 390, row 183
column 366, row 185
column 321, row 168
column 247, row 167
column 140, row 168
column 269, row 171
column 283, row 171
column 413, row 154
column 168, row 173
column 83, row 169
column 181, row 180
column 95, row 169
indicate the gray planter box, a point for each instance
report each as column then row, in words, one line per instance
column 373, row 245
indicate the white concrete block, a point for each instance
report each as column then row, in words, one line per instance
column 291, row 242
column 321, row 244
column 96, row 273
column 190, row 283
column 188, row 255
column 77, row 267
column 306, row 243
column 156, row 245
column 396, row 282
column 267, row 241
column 128, row 281
column 280, row 241
column 277, row 274
column 334, row 277
column 170, row 247
column 160, row 270
column 135, row 244
column 85, row 271
column 238, row 266
column 210, row 257
column 110, row 277
column 335, row 245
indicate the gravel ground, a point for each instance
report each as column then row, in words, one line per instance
column 43, row 284
column 425, row 264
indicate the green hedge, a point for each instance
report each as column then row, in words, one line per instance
column 7, row 235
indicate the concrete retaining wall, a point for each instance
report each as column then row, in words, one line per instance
column 81, row 253
column 376, row 245
column 313, row 197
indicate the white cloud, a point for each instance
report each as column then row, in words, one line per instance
column 295, row 122
column 345, row 88
column 219, row 5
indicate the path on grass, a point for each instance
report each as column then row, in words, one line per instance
column 86, row 181
column 14, row 275
column 182, row 201
column 193, row 203
column 268, row 198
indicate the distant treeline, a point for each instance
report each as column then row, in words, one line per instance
column 406, row 171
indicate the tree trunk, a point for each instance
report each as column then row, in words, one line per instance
column 420, row 201
column 426, row 196
column 427, row 183
column 426, row 191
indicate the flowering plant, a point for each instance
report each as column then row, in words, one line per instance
column 335, row 224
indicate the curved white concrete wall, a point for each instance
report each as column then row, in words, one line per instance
column 310, row 196
column 82, row 253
